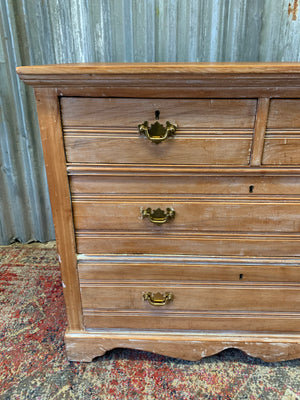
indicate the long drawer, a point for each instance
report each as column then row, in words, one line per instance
column 248, row 215
column 198, row 297
column 145, row 215
column 198, row 292
column 137, row 184
column 187, row 321
column 209, row 131
column 179, row 269
column 214, row 244
column 200, row 306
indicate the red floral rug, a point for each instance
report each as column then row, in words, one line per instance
column 33, row 362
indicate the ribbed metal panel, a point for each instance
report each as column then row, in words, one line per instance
column 56, row 31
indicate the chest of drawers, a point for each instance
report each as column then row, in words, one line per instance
column 175, row 191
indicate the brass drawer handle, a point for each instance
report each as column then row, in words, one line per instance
column 158, row 216
column 157, row 132
column 158, row 299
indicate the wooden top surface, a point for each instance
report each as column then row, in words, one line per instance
column 160, row 68
column 192, row 75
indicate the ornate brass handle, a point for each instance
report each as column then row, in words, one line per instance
column 157, row 132
column 158, row 216
column 158, row 299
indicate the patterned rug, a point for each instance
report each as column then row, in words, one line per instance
column 34, row 365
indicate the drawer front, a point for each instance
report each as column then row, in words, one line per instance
column 205, row 307
column 284, row 114
column 186, row 321
column 86, row 185
column 282, row 149
column 205, row 297
column 213, row 215
column 209, row 131
column 207, row 215
column 282, row 140
column 203, row 244
column 187, row 269
column 236, row 294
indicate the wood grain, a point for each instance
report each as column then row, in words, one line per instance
column 167, row 184
column 207, row 87
column 186, row 113
column 184, row 345
column 281, row 150
column 192, row 214
column 196, row 321
column 231, row 255
column 192, row 297
column 284, row 114
column 274, row 77
column 184, row 269
column 263, row 245
column 73, row 70
column 155, row 170
column 182, row 149
column 187, row 147
column 259, row 131
column 52, row 140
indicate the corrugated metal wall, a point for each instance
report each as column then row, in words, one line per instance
column 56, row 31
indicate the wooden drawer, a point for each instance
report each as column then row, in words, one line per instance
column 198, row 306
column 210, row 131
column 284, row 114
column 179, row 269
column 213, row 215
column 282, row 140
column 203, row 244
column 191, row 215
column 225, row 293
column 192, row 321
column 282, row 149
column 137, row 184
column 198, row 297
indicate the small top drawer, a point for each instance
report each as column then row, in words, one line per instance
column 282, row 140
column 209, row 131
column 284, row 114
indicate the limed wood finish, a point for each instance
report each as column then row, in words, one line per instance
column 194, row 214
column 230, row 257
column 215, row 131
column 51, row 132
column 185, row 345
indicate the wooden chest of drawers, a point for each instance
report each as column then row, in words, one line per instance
column 175, row 191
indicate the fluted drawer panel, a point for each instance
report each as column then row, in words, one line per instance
column 188, row 297
column 185, row 321
column 186, row 269
column 196, row 215
column 282, row 140
column 204, row 244
column 169, row 184
column 209, row 131
column 282, row 149
column 187, row 113
column 284, row 114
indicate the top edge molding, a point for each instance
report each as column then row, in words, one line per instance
column 160, row 68
column 92, row 72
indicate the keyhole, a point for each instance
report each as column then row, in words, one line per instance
column 251, row 188
column 157, row 112
column 241, row 276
